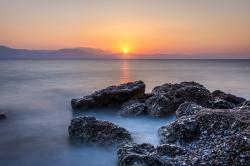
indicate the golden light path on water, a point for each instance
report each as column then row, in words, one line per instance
column 125, row 72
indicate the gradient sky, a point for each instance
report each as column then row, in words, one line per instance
column 152, row 26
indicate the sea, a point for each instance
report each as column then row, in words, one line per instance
column 35, row 95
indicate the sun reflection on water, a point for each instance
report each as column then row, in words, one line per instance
column 125, row 72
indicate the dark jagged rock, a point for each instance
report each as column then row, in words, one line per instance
column 145, row 154
column 139, row 155
column 246, row 103
column 2, row 115
column 244, row 106
column 222, row 104
column 171, row 150
column 212, row 137
column 171, row 96
column 90, row 130
column 158, row 105
column 227, row 97
column 188, row 108
column 110, row 96
column 133, row 108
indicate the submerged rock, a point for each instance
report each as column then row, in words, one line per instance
column 90, row 130
column 212, row 137
column 2, row 115
column 110, row 96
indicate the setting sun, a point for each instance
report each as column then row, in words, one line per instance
column 125, row 51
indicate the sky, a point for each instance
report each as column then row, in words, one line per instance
column 145, row 26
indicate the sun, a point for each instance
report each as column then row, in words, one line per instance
column 125, row 51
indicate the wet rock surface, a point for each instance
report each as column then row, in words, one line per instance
column 188, row 108
column 210, row 128
column 163, row 100
column 158, row 106
column 90, row 130
column 145, row 154
column 110, row 96
column 213, row 137
column 132, row 154
column 220, row 95
column 133, row 108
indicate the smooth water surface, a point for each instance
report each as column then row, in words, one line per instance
column 36, row 94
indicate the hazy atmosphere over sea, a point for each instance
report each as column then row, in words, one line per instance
column 36, row 96
column 125, row 83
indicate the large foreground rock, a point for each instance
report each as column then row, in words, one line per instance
column 212, row 137
column 90, row 130
column 168, row 97
column 110, row 96
column 131, row 154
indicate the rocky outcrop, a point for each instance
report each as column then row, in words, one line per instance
column 90, row 130
column 168, row 97
column 158, row 106
column 132, row 154
column 210, row 129
column 212, row 137
column 110, row 96
column 163, row 100
column 228, row 100
column 133, row 108
column 187, row 109
column 145, row 154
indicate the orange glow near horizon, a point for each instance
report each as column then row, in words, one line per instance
column 171, row 27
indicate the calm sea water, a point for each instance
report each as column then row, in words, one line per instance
column 36, row 94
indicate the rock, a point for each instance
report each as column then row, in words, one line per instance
column 188, row 108
column 222, row 104
column 170, row 150
column 197, row 94
column 212, row 137
column 110, row 96
column 139, row 155
column 227, row 97
column 176, row 94
column 133, row 108
column 169, row 89
column 183, row 130
column 2, row 115
column 158, row 106
column 243, row 106
column 90, row 130
column 145, row 154
column 246, row 103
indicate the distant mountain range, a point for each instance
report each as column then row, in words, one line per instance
column 92, row 53
column 66, row 53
